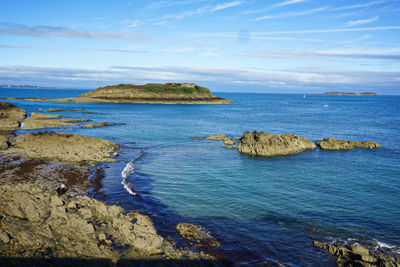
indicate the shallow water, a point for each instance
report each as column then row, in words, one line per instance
column 260, row 208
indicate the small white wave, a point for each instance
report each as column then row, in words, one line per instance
column 128, row 170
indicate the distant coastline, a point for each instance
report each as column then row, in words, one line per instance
column 25, row 86
column 344, row 93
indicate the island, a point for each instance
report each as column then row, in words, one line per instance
column 24, row 86
column 152, row 93
column 344, row 93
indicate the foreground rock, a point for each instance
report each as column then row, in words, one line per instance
column 357, row 256
column 333, row 144
column 266, row 144
column 66, row 147
column 198, row 234
column 36, row 223
column 11, row 117
column 152, row 93
column 33, row 124
column 16, row 168
column 41, row 116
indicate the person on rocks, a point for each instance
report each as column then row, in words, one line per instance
column 62, row 189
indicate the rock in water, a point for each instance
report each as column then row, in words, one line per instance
column 333, row 144
column 357, row 256
column 268, row 145
column 66, row 147
column 198, row 234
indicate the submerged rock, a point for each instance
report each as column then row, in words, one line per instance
column 60, row 109
column 34, row 221
column 101, row 124
column 41, row 116
column 266, row 144
column 357, row 255
column 197, row 233
column 333, row 144
column 33, row 124
column 66, row 147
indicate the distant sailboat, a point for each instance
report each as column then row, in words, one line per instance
column 304, row 96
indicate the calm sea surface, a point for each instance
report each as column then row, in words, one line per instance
column 259, row 208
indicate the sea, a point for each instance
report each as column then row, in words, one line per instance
column 260, row 209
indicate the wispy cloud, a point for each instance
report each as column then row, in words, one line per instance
column 225, row 5
column 361, row 21
column 288, row 2
column 164, row 19
column 63, row 32
column 367, row 4
column 381, row 55
column 383, row 28
column 292, row 14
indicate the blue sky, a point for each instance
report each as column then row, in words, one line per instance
column 243, row 45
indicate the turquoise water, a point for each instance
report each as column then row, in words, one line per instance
column 259, row 208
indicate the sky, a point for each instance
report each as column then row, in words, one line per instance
column 288, row 46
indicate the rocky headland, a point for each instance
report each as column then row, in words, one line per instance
column 359, row 94
column 357, row 255
column 333, row 144
column 268, row 145
column 66, row 147
column 37, row 223
column 152, row 93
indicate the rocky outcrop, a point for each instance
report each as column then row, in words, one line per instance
column 11, row 117
column 36, row 223
column 198, row 234
column 33, row 124
column 268, row 145
column 41, row 116
column 152, row 93
column 66, row 147
column 333, row 144
column 100, row 124
column 357, row 256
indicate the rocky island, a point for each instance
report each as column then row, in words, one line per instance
column 152, row 93
column 344, row 93
column 268, row 145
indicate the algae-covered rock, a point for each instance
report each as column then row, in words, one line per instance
column 66, row 147
column 266, row 144
column 220, row 137
column 33, row 218
column 357, row 255
column 333, row 144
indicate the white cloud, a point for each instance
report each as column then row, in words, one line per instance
column 292, row 14
column 361, row 21
column 360, row 5
column 288, row 2
column 225, row 5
